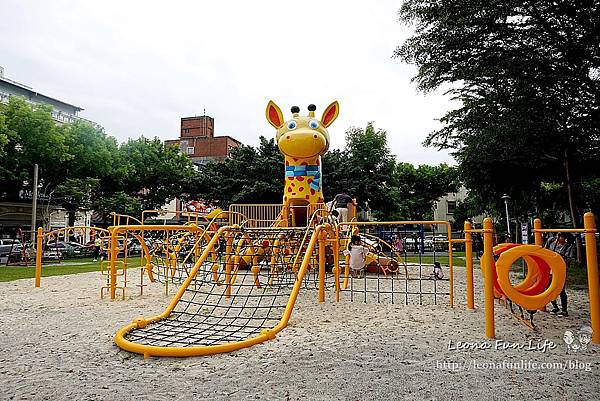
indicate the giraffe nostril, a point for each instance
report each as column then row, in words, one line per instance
column 315, row 136
column 287, row 137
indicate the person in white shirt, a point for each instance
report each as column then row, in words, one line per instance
column 358, row 255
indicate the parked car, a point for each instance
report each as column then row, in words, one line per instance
column 10, row 250
column 134, row 246
column 52, row 254
column 80, row 250
column 59, row 248
column 438, row 242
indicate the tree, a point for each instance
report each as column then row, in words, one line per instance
column 31, row 137
column 419, row 188
column 93, row 151
column 368, row 168
column 150, row 172
column 4, row 134
column 335, row 173
column 526, row 74
column 250, row 175
column 118, row 202
column 76, row 194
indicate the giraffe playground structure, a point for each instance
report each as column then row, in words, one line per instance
column 238, row 283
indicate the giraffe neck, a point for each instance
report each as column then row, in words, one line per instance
column 303, row 181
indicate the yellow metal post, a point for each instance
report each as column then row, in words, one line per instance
column 488, row 257
column 537, row 225
column 38, row 257
column 592, row 270
column 469, row 266
column 450, row 267
column 113, row 262
column 228, row 262
column 336, row 265
column 322, row 266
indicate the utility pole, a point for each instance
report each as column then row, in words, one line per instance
column 34, row 202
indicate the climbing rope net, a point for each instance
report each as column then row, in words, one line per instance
column 398, row 273
column 241, row 287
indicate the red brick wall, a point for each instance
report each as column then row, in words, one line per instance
column 212, row 147
column 198, row 132
column 197, row 126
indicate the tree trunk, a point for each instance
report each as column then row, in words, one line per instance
column 572, row 209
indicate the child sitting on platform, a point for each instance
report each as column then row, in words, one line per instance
column 358, row 255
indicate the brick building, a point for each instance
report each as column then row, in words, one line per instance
column 197, row 139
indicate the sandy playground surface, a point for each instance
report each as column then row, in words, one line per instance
column 56, row 343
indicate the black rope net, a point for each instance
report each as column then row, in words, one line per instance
column 399, row 267
column 263, row 267
column 175, row 253
column 244, row 284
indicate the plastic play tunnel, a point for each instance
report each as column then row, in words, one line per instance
column 545, row 278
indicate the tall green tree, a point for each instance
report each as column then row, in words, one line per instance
column 526, row 76
column 31, row 137
column 93, row 151
column 117, row 202
column 4, row 134
column 152, row 173
column 250, row 175
column 367, row 169
column 419, row 188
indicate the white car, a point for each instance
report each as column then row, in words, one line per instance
column 437, row 242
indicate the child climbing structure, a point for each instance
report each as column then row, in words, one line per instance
column 245, row 294
column 238, row 285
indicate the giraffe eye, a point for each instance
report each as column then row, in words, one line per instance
column 314, row 124
column 292, row 125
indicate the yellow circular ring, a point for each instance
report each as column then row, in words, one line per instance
column 531, row 302
column 531, row 277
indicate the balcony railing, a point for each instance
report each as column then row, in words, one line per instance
column 57, row 115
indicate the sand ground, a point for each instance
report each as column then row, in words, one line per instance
column 56, row 343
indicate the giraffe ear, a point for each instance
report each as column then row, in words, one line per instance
column 274, row 115
column 330, row 114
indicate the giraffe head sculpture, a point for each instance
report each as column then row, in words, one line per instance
column 302, row 140
column 302, row 136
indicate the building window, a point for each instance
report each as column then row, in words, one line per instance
column 185, row 130
column 451, row 206
column 190, row 150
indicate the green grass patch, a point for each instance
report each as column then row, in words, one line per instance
column 68, row 266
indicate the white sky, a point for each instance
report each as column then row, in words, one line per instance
column 137, row 67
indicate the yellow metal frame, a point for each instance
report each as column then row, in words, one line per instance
column 255, row 215
column 58, row 233
column 267, row 334
column 589, row 230
column 353, row 225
